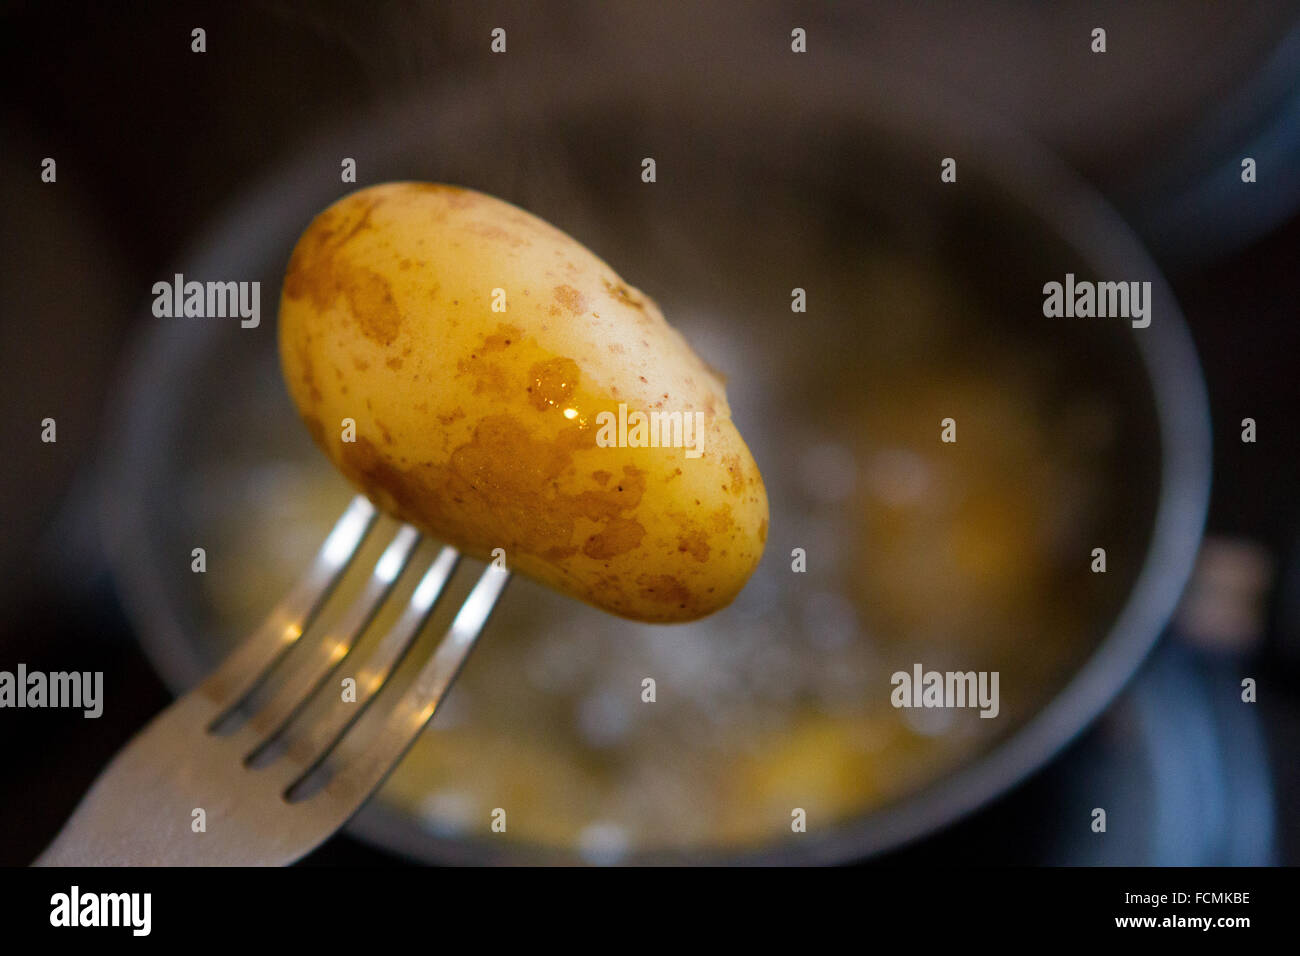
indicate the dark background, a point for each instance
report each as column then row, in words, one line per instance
column 153, row 141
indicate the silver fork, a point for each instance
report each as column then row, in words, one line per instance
column 250, row 784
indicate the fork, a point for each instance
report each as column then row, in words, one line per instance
column 269, row 790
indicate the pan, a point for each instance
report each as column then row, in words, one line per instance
column 923, row 302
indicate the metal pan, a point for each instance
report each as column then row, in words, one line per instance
column 763, row 186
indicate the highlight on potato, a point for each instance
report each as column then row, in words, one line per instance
column 481, row 374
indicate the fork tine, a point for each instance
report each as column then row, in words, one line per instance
column 248, row 664
column 318, row 738
column 362, row 772
column 305, row 678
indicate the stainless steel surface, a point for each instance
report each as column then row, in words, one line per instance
column 254, row 783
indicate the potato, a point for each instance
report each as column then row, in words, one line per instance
column 498, row 374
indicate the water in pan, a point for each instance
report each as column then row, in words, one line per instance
column 966, row 556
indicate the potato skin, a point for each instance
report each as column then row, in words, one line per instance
column 480, row 427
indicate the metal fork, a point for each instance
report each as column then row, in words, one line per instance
column 252, row 784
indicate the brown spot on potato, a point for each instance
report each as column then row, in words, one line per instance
column 495, row 233
column 664, row 588
column 320, row 273
column 493, row 378
column 695, row 543
column 308, row 375
column 373, row 306
column 606, row 504
column 601, row 477
column 623, row 294
column 571, row 299
column 721, row 520
column 489, row 377
column 500, row 489
column 310, row 273
column 551, row 383
column 556, row 555
column 619, row 536
column 502, row 338
column 737, row 484
column 394, row 363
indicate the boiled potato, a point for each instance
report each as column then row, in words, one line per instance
column 468, row 367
